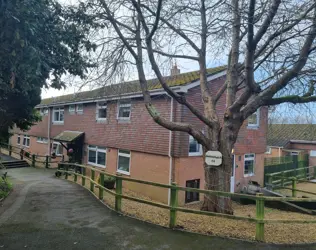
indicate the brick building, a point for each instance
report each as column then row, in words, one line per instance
column 292, row 139
column 110, row 128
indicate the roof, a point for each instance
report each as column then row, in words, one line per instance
column 130, row 87
column 68, row 136
column 281, row 134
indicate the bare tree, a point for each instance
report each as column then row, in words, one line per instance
column 270, row 47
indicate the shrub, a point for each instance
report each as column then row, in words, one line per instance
column 5, row 187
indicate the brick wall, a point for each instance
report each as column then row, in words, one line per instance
column 143, row 166
column 307, row 148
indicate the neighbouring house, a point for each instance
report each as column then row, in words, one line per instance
column 110, row 128
column 292, row 139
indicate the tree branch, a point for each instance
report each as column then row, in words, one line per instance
column 295, row 99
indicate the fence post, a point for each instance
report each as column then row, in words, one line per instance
column 46, row 161
column 10, row 150
column 315, row 172
column 83, row 180
column 33, row 160
column 282, row 179
column 21, row 153
column 270, row 180
column 173, row 204
column 118, row 190
column 294, row 181
column 259, row 217
column 102, row 185
column 66, row 173
column 75, row 174
column 92, row 178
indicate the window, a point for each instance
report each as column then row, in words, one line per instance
column 42, row 140
column 79, row 108
column 101, row 111
column 97, row 156
column 312, row 153
column 58, row 115
column 294, row 153
column 253, row 120
column 123, row 164
column 57, row 149
column 71, row 109
column 124, row 110
column 192, row 196
column 26, row 141
column 249, row 164
column 19, row 140
column 194, row 147
column 44, row 111
column 268, row 150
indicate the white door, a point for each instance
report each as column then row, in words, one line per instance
column 232, row 178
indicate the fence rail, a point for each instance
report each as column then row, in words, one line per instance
column 80, row 171
column 23, row 154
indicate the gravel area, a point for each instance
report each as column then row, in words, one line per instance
column 310, row 187
column 211, row 225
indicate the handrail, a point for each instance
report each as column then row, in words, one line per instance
column 173, row 208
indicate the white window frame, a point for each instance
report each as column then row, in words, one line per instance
column 257, row 124
column 72, row 109
column 42, row 140
column 59, row 110
column 96, row 149
column 58, row 145
column 312, row 153
column 124, row 104
column 268, row 150
column 101, row 105
column 79, row 111
column 123, row 155
column 18, row 141
column 200, row 152
column 26, row 138
column 248, row 157
column 44, row 111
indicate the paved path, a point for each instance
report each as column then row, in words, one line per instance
column 7, row 158
column 44, row 212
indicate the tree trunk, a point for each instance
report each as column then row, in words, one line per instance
column 218, row 177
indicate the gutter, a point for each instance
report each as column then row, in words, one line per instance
column 303, row 142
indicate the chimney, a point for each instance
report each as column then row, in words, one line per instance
column 174, row 70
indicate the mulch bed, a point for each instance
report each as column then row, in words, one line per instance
column 211, row 225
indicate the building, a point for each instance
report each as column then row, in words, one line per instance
column 110, row 128
column 292, row 139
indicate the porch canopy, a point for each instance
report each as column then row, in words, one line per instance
column 68, row 136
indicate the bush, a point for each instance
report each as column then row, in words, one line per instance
column 5, row 187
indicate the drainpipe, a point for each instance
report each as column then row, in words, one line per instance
column 170, row 153
column 48, row 131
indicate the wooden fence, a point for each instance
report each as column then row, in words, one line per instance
column 285, row 163
column 23, row 154
column 80, row 171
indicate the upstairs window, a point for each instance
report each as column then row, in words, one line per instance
column 79, row 108
column 42, row 140
column 57, row 149
column 26, row 141
column 124, row 110
column 19, row 140
column 254, row 119
column 44, row 111
column 249, row 164
column 72, row 109
column 58, row 116
column 97, row 156
column 101, row 111
column 195, row 149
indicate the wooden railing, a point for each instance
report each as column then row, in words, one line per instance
column 80, row 171
column 284, row 178
column 23, row 154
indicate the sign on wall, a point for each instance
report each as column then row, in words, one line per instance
column 213, row 158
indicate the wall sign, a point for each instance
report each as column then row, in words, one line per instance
column 213, row 158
